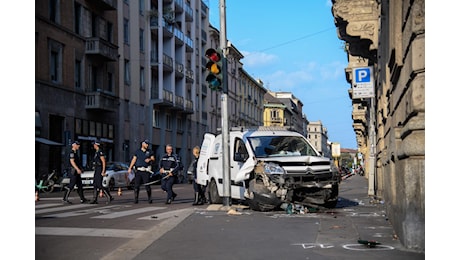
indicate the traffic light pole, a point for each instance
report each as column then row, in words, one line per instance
column 226, row 182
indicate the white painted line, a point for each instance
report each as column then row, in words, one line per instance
column 128, row 212
column 82, row 212
column 88, row 232
column 63, row 208
column 48, row 205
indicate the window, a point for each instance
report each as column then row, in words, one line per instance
column 54, row 11
column 110, row 32
column 142, row 78
column 126, row 31
column 110, row 81
column 55, row 70
column 180, row 126
column 141, row 7
column 168, row 122
column 156, row 118
column 78, row 18
column 78, row 74
column 127, row 73
column 141, row 40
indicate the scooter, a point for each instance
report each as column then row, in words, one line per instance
column 46, row 183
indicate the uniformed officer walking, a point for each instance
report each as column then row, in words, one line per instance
column 76, row 170
column 169, row 168
column 142, row 160
column 100, row 164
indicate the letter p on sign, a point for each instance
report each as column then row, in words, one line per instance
column 363, row 75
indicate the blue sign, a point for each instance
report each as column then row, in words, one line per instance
column 362, row 75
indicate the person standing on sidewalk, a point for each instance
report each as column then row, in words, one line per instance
column 169, row 168
column 76, row 168
column 142, row 159
column 99, row 173
column 200, row 198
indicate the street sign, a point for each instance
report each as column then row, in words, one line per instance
column 336, row 150
column 363, row 82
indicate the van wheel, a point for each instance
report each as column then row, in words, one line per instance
column 214, row 197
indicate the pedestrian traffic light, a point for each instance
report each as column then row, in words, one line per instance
column 214, row 66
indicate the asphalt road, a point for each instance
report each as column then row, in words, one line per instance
column 123, row 230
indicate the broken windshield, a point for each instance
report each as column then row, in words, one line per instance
column 272, row 146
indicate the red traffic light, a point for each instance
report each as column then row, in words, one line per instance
column 213, row 55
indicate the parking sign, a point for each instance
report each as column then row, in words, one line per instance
column 363, row 82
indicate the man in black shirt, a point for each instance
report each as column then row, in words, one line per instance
column 75, row 174
column 169, row 168
column 99, row 173
column 142, row 160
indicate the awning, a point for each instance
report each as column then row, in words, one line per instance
column 46, row 141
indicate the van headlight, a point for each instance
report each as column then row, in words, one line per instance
column 273, row 168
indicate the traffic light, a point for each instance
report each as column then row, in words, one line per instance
column 214, row 66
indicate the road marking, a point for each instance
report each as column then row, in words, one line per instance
column 128, row 212
column 135, row 246
column 165, row 215
column 69, row 207
column 80, row 212
column 48, row 205
column 88, row 232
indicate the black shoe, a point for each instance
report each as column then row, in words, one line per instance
column 135, row 202
column 112, row 198
column 174, row 196
column 83, row 201
column 67, row 202
column 168, row 201
column 93, row 202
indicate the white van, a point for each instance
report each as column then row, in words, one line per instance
column 268, row 166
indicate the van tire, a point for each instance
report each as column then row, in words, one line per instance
column 214, row 197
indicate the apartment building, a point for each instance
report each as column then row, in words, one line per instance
column 76, row 83
column 390, row 127
column 245, row 94
column 317, row 135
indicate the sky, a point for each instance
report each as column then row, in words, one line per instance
column 294, row 47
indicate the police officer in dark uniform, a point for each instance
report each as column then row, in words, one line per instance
column 75, row 174
column 142, row 160
column 169, row 168
column 99, row 173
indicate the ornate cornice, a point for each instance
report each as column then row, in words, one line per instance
column 357, row 22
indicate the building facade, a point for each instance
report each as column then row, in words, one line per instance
column 317, row 135
column 389, row 36
column 76, row 83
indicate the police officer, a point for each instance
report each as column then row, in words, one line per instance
column 169, row 168
column 99, row 173
column 75, row 174
column 142, row 159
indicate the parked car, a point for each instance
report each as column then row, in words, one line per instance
column 117, row 176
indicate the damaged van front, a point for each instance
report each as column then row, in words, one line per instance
column 270, row 167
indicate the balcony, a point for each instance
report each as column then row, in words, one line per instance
column 100, row 101
column 98, row 47
column 179, row 68
column 166, row 100
column 106, row 4
column 188, row 107
column 189, row 75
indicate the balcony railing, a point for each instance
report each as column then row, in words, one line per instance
column 100, row 101
column 102, row 48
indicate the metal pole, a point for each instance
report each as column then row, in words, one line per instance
column 371, row 188
column 226, row 182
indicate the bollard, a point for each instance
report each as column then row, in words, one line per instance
column 119, row 191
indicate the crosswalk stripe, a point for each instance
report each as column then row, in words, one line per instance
column 63, row 208
column 128, row 212
column 89, row 232
column 48, row 205
column 101, row 210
